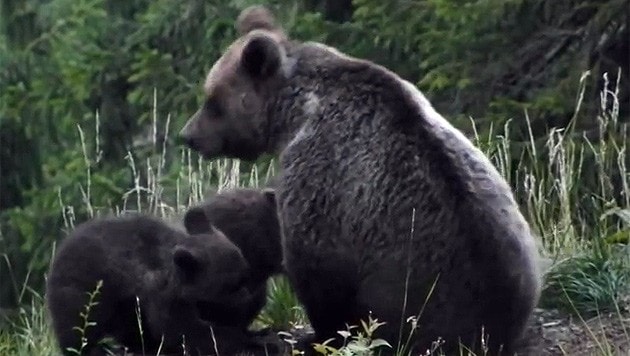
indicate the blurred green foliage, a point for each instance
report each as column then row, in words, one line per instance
column 65, row 62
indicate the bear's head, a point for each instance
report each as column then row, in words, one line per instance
column 239, row 90
column 208, row 266
column 248, row 218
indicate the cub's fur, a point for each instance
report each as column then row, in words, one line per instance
column 170, row 272
column 383, row 205
column 248, row 218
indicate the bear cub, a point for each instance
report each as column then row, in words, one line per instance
column 144, row 264
column 249, row 219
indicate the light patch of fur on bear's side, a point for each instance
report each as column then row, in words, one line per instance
column 304, row 132
column 312, row 106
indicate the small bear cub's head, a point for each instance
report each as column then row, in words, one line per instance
column 208, row 265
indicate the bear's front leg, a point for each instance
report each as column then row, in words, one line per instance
column 328, row 293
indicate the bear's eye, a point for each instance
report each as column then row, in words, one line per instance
column 213, row 107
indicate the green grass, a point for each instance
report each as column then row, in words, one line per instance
column 582, row 232
column 28, row 333
column 588, row 283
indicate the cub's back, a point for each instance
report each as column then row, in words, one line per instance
column 119, row 250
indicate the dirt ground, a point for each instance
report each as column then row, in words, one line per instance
column 552, row 333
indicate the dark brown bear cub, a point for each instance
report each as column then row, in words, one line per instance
column 172, row 275
column 248, row 219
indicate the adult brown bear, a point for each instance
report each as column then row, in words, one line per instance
column 384, row 206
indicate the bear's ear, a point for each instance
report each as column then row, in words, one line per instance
column 185, row 261
column 261, row 57
column 196, row 221
column 270, row 195
column 253, row 18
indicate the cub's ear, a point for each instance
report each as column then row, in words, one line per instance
column 196, row 221
column 270, row 195
column 261, row 57
column 185, row 261
column 253, row 18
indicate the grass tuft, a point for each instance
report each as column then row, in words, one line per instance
column 589, row 284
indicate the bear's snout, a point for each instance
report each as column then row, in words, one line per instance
column 185, row 137
column 189, row 142
column 188, row 132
